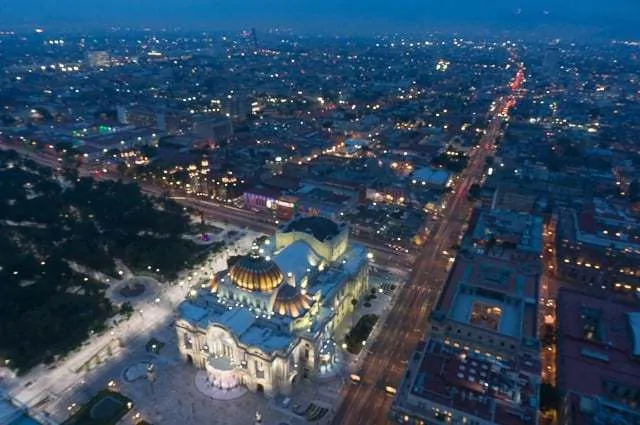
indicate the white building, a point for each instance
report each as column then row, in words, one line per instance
column 268, row 322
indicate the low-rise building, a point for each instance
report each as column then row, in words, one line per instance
column 599, row 246
column 450, row 385
column 598, row 352
column 500, row 229
column 489, row 305
column 481, row 364
column 431, row 177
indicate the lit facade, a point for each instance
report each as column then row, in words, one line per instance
column 268, row 321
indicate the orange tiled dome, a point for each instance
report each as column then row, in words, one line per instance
column 291, row 302
column 255, row 273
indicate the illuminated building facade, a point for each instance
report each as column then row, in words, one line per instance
column 268, row 321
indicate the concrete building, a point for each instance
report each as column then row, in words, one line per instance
column 500, row 230
column 489, row 304
column 98, row 59
column 216, row 130
column 512, row 199
column 268, row 321
column 431, row 177
column 450, row 385
column 481, row 364
column 598, row 347
column 599, row 246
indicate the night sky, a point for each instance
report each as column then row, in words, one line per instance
column 316, row 15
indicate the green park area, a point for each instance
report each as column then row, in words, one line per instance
column 360, row 332
column 54, row 234
column 106, row 408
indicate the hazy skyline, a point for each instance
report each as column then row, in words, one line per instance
column 330, row 15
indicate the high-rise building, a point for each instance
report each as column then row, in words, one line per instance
column 215, row 130
column 254, row 39
column 199, row 178
column 236, row 106
column 98, row 59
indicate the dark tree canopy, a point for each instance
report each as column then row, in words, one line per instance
column 46, row 308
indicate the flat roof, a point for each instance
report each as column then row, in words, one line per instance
column 319, row 227
column 521, row 229
column 495, row 282
column 595, row 342
column 431, row 175
column 496, row 391
column 602, row 223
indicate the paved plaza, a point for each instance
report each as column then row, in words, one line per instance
column 174, row 398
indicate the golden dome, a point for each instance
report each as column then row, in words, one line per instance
column 291, row 302
column 255, row 273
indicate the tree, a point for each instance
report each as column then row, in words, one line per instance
column 474, row 191
column 549, row 397
column 88, row 223
column 549, row 336
column 122, row 168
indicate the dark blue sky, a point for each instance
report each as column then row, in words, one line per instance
column 352, row 15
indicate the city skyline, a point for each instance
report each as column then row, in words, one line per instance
column 331, row 16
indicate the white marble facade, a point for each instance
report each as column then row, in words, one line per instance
column 268, row 321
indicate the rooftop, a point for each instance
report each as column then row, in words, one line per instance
column 495, row 391
column 249, row 329
column 605, row 224
column 320, row 228
column 297, row 259
column 431, row 175
column 522, row 230
column 270, row 331
column 596, row 344
column 492, row 293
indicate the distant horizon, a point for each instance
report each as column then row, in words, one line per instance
column 616, row 17
column 571, row 32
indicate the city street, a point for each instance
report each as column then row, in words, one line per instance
column 367, row 402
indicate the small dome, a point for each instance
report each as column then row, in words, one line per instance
column 213, row 285
column 291, row 302
column 254, row 273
